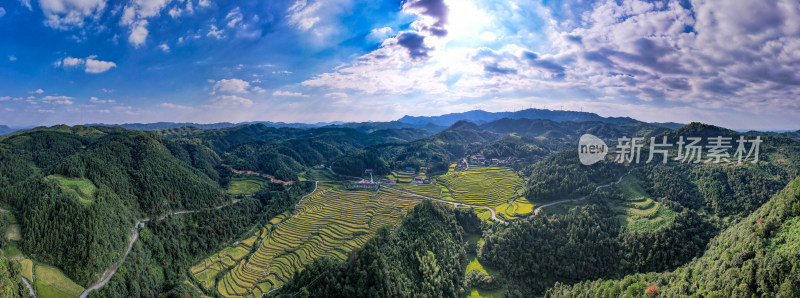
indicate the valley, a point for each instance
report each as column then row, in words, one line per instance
column 253, row 211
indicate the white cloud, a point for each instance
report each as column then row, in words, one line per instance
column 37, row 91
column 128, row 14
column 90, row 64
column 164, row 47
column 320, row 18
column 59, row 97
column 282, row 72
column 2, row 12
column 26, row 3
column 176, row 11
column 176, row 106
column 107, row 90
column 69, row 62
column 406, row 63
column 139, row 33
column 60, row 100
column 288, row 93
column 337, row 95
column 303, row 15
column 4, row 98
column 217, row 33
column 97, row 100
column 231, row 86
column 12, row 58
column 97, row 66
column 225, row 101
column 379, row 34
column 234, row 16
column 204, row 3
column 67, row 14
column 136, row 14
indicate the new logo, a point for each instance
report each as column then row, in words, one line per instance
column 591, row 149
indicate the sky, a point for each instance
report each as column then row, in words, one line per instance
column 724, row 62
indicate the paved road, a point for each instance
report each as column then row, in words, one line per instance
column 538, row 209
column 30, row 288
column 135, row 235
column 455, row 204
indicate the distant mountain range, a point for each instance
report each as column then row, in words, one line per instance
column 481, row 117
column 166, row 125
column 7, row 130
column 432, row 124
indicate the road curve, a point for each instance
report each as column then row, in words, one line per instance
column 30, row 288
column 538, row 209
column 455, row 204
column 135, row 235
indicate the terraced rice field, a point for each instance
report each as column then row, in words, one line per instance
column 318, row 174
column 330, row 222
column 483, row 186
column 403, row 176
column 206, row 272
column 520, row 207
column 51, row 282
column 245, row 186
column 27, row 269
column 83, row 189
column 640, row 211
column 433, row 191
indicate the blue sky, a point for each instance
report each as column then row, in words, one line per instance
column 731, row 63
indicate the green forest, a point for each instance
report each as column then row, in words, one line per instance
column 72, row 198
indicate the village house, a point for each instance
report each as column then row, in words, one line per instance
column 364, row 184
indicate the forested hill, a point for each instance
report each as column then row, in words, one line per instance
column 573, row 130
column 435, row 152
column 423, row 257
column 63, row 184
column 758, row 257
column 285, row 152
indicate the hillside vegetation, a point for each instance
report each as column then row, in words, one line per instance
column 423, row 257
column 757, row 256
column 75, row 180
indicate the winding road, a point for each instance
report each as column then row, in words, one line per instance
column 30, row 288
column 135, row 235
column 539, row 209
column 455, row 204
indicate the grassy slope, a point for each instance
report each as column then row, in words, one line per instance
column 641, row 212
column 53, row 281
column 83, row 188
column 245, row 186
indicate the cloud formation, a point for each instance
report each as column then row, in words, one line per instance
column 69, row 14
column 231, row 86
column 230, row 101
column 288, row 93
column 90, row 64
column 101, row 101
column 135, row 15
